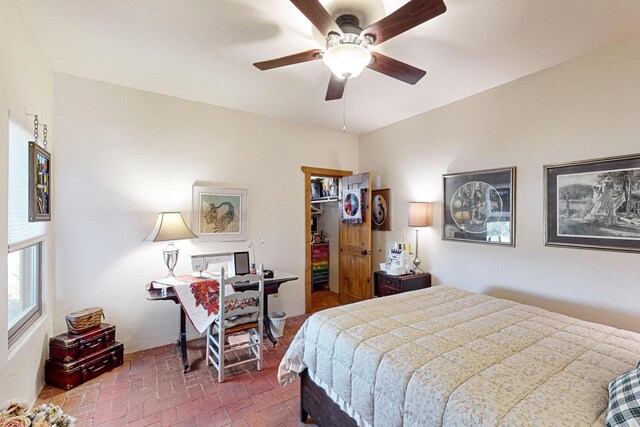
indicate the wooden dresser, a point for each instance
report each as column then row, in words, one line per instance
column 387, row 284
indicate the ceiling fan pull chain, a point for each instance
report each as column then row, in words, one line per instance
column 344, row 108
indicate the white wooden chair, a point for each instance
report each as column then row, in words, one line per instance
column 237, row 312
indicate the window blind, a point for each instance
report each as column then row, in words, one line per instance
column 21, row 231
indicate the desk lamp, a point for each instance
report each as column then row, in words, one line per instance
column 170, row 227
column 418, row 217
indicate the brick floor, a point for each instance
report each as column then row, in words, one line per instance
column 149, row 389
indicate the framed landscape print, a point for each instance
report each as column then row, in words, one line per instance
column 39, row 183
column 479, row 206
column 380, row 210
column 594, row 204
column 219, row 214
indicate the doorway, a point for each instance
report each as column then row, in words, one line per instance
column 322, row 239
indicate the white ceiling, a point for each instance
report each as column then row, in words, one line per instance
column 203, row 50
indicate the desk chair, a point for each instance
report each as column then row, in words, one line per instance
column 237, row 312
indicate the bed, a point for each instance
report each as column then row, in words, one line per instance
column 444, row 356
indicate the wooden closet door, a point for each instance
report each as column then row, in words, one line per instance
column 355, row 245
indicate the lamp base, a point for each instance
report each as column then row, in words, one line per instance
column 416, row 263
column 416, row 260
column 170, row 255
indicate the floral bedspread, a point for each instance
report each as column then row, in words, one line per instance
column 444, row 356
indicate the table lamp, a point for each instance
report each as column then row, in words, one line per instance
column 170, row 227
column 418, row 217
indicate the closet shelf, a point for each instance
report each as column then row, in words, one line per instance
column 325, row 200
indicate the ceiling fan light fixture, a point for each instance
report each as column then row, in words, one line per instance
column 347, row 60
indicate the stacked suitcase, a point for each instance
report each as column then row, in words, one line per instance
column 75, row 359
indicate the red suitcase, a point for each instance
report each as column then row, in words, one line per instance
column 68, row 347
column 69, row 375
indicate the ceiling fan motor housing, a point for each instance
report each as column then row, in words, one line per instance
column 350, row 26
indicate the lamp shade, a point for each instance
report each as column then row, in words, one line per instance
column 347, row 60
column 169, row 227
column 418, row 214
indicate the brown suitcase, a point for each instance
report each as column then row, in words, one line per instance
column 67, row 347
column 69, row 375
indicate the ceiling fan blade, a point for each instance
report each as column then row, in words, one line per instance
column 412, row 14
column 336, row 88
column 318, row 15
column 396, row 69
column 296, row 58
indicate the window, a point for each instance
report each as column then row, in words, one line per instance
column 24, row 267
column 25, row 252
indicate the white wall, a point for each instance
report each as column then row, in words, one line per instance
column 127, row 155
column 26, row 85
column 582, row 109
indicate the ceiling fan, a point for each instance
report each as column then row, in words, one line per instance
column 349, row 46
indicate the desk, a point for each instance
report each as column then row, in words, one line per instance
column 271, row 287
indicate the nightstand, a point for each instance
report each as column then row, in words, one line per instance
column 386, row 284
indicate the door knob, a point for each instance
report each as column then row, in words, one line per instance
column 364, row 252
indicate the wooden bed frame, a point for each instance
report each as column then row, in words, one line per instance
column 315, row 402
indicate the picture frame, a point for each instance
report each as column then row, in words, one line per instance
column 479, row 206
column 241, row 264
column 593, row 204
column 39, row 183
column 381, row 210
column 219, row 214
column 352, row 207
